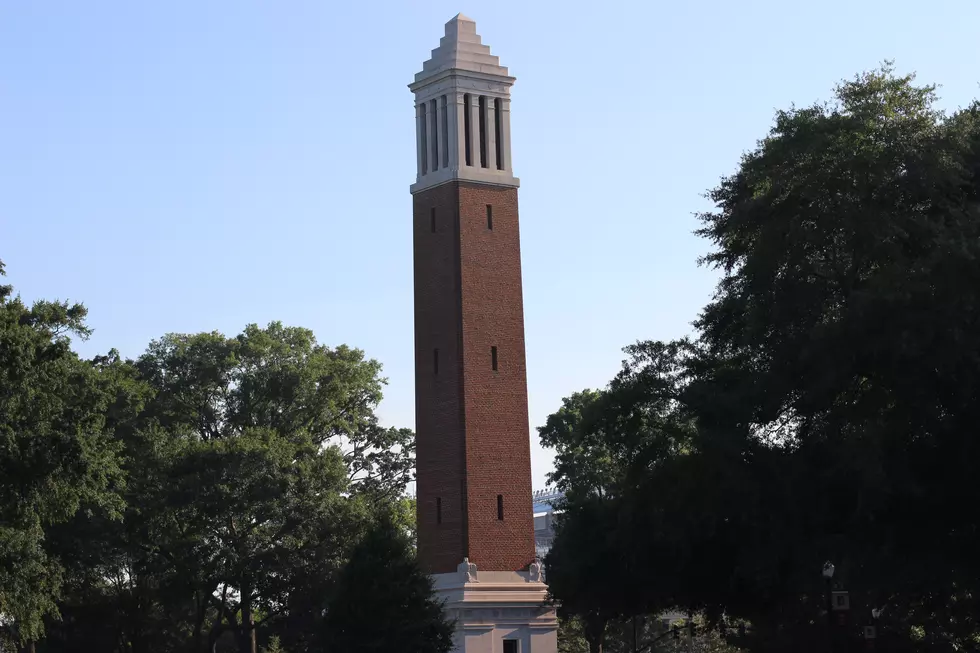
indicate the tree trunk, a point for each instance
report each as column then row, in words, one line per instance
column 595, row 633
column 137, row 640
column 247, row 640
column 202, row 612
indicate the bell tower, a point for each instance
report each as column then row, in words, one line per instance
column 462, row 112
column 474, row 507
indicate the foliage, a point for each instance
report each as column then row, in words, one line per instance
column 824, row 410
column 571, row 637
column 202, row 498
column 583, row 462
column 256, row 462
column 384, row 601
column 211, row 387
column 274, row 646
column 57, row 455
column 584, row 570
column 645, row 633
column 846, row 319
column 607, row 444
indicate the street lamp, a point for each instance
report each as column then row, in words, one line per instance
column 837, row 602
column 871, row 630
column 828, row 575
column 828, row 570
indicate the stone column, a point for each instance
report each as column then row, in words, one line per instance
column 444, row 139
column 475, row 130
column 491, row 135
column 434, row 134
column 505, row 132
column 418, row 142
column 457, row 144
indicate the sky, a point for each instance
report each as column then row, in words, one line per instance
column 188, row 166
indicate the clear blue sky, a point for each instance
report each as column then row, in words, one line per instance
column 188, row 166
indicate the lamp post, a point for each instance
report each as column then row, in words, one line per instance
column 828, row 576
column 871, row 631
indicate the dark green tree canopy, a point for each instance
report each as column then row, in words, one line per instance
column 384, row 601
column 57, row 454
column 825, row 408
column 850, row 243
column 262, row 454
column 203, row 498
column 210, row 387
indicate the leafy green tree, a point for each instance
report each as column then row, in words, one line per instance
column 840, row 352
column 56, row 453
column 607, row 445
column 584, row 465
column 824, row 410
column 645, row 634
column 588, row 575
column 571, row 638
column 256, row 444
column 106, row 599
column 253, row 466
column 274, row 646
column 384, row 601
column 580, row 577
column 280, row 378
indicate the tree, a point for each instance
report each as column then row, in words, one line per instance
column 274, row 646
column 254, row 445
column 384, row 601
column 280, row 378
column 56, row 453
column 607, row 444
column 825, row 407
column 186, row 501
column 580, row 576
column 252, row 469
column 583, row 463
column 587, row 576
column 571, row 638
column 845, row 326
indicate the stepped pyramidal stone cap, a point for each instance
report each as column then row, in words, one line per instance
column 461, row 49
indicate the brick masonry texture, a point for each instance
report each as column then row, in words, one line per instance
column 471, row 421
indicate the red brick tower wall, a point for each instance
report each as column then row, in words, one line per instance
column 471, row 420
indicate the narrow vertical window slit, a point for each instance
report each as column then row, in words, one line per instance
column 444, row 119
column 498, row 138
column 500, row 507
column 489, row 217
column 493, row 358
column 435, row 135
column 483, row 131
column 424, row 129
column 467, row 129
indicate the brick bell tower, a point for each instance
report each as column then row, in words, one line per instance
column 475, row 522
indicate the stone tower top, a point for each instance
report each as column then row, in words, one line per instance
column 461, row 49
column 462, row 112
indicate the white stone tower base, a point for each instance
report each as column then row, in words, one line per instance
column 499, row 611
